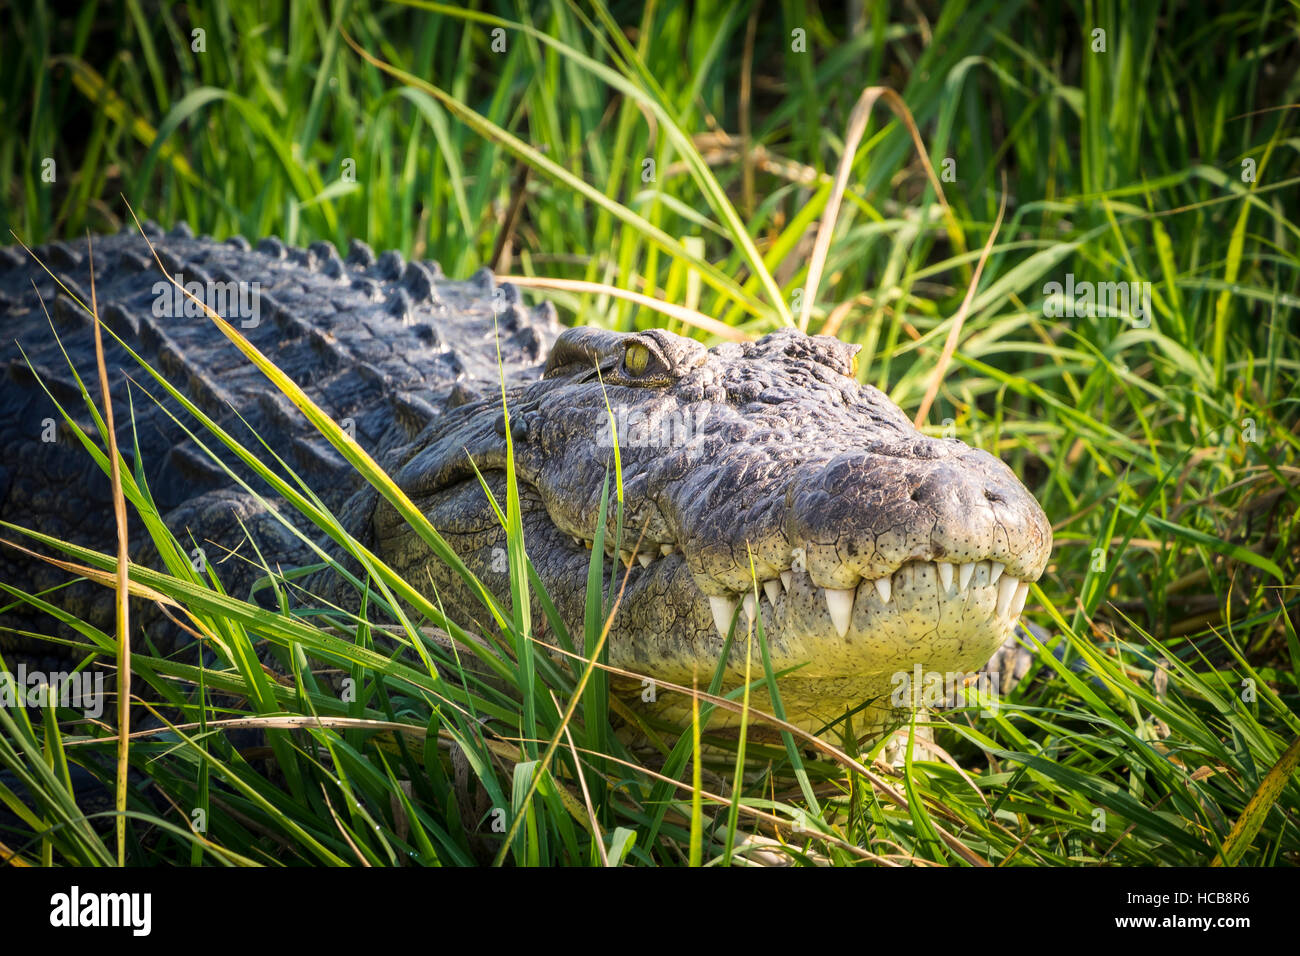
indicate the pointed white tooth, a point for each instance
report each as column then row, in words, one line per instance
column 995, row 572
column 1018, row 602
column 839, row 601
column 964, row 575
column 723, row 608
column 625, row 555
column 786, row 578
column 773, row 590
column 750, row 605
column 665, row 550
column 644, row 558
column 945, row 575
column 884, row 588
column 1006, row 591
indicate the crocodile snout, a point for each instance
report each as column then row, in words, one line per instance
column 868, row 512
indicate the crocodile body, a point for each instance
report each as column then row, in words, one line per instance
column 759, row 479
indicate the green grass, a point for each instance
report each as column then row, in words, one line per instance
column 1160, row 726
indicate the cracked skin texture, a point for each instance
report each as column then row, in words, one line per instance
column 761, row 468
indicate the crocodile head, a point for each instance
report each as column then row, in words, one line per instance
column 758, row 480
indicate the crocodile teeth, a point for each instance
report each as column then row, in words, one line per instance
column 723, row 608
column 626, row 556
column 839, row 601
column 750, row 605
column 786, row 578
column 1018, row 602
column 884, row 588
column 772, row 589
column 665, row 550
column 995, row 572
column 1006, row 591
column 644, row 559
column 964, row 574
column 945, row 574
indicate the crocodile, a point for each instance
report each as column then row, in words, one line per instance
column 761, row 481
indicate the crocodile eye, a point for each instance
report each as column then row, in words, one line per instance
column 853, row 366
column 636, row 358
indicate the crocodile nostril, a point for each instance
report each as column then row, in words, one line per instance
column 994, row 497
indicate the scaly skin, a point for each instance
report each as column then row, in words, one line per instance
column 762, row 469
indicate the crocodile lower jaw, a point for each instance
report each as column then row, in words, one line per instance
column 977, row 589
column 965, row 584
column 842, row 645
column 946, row 625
